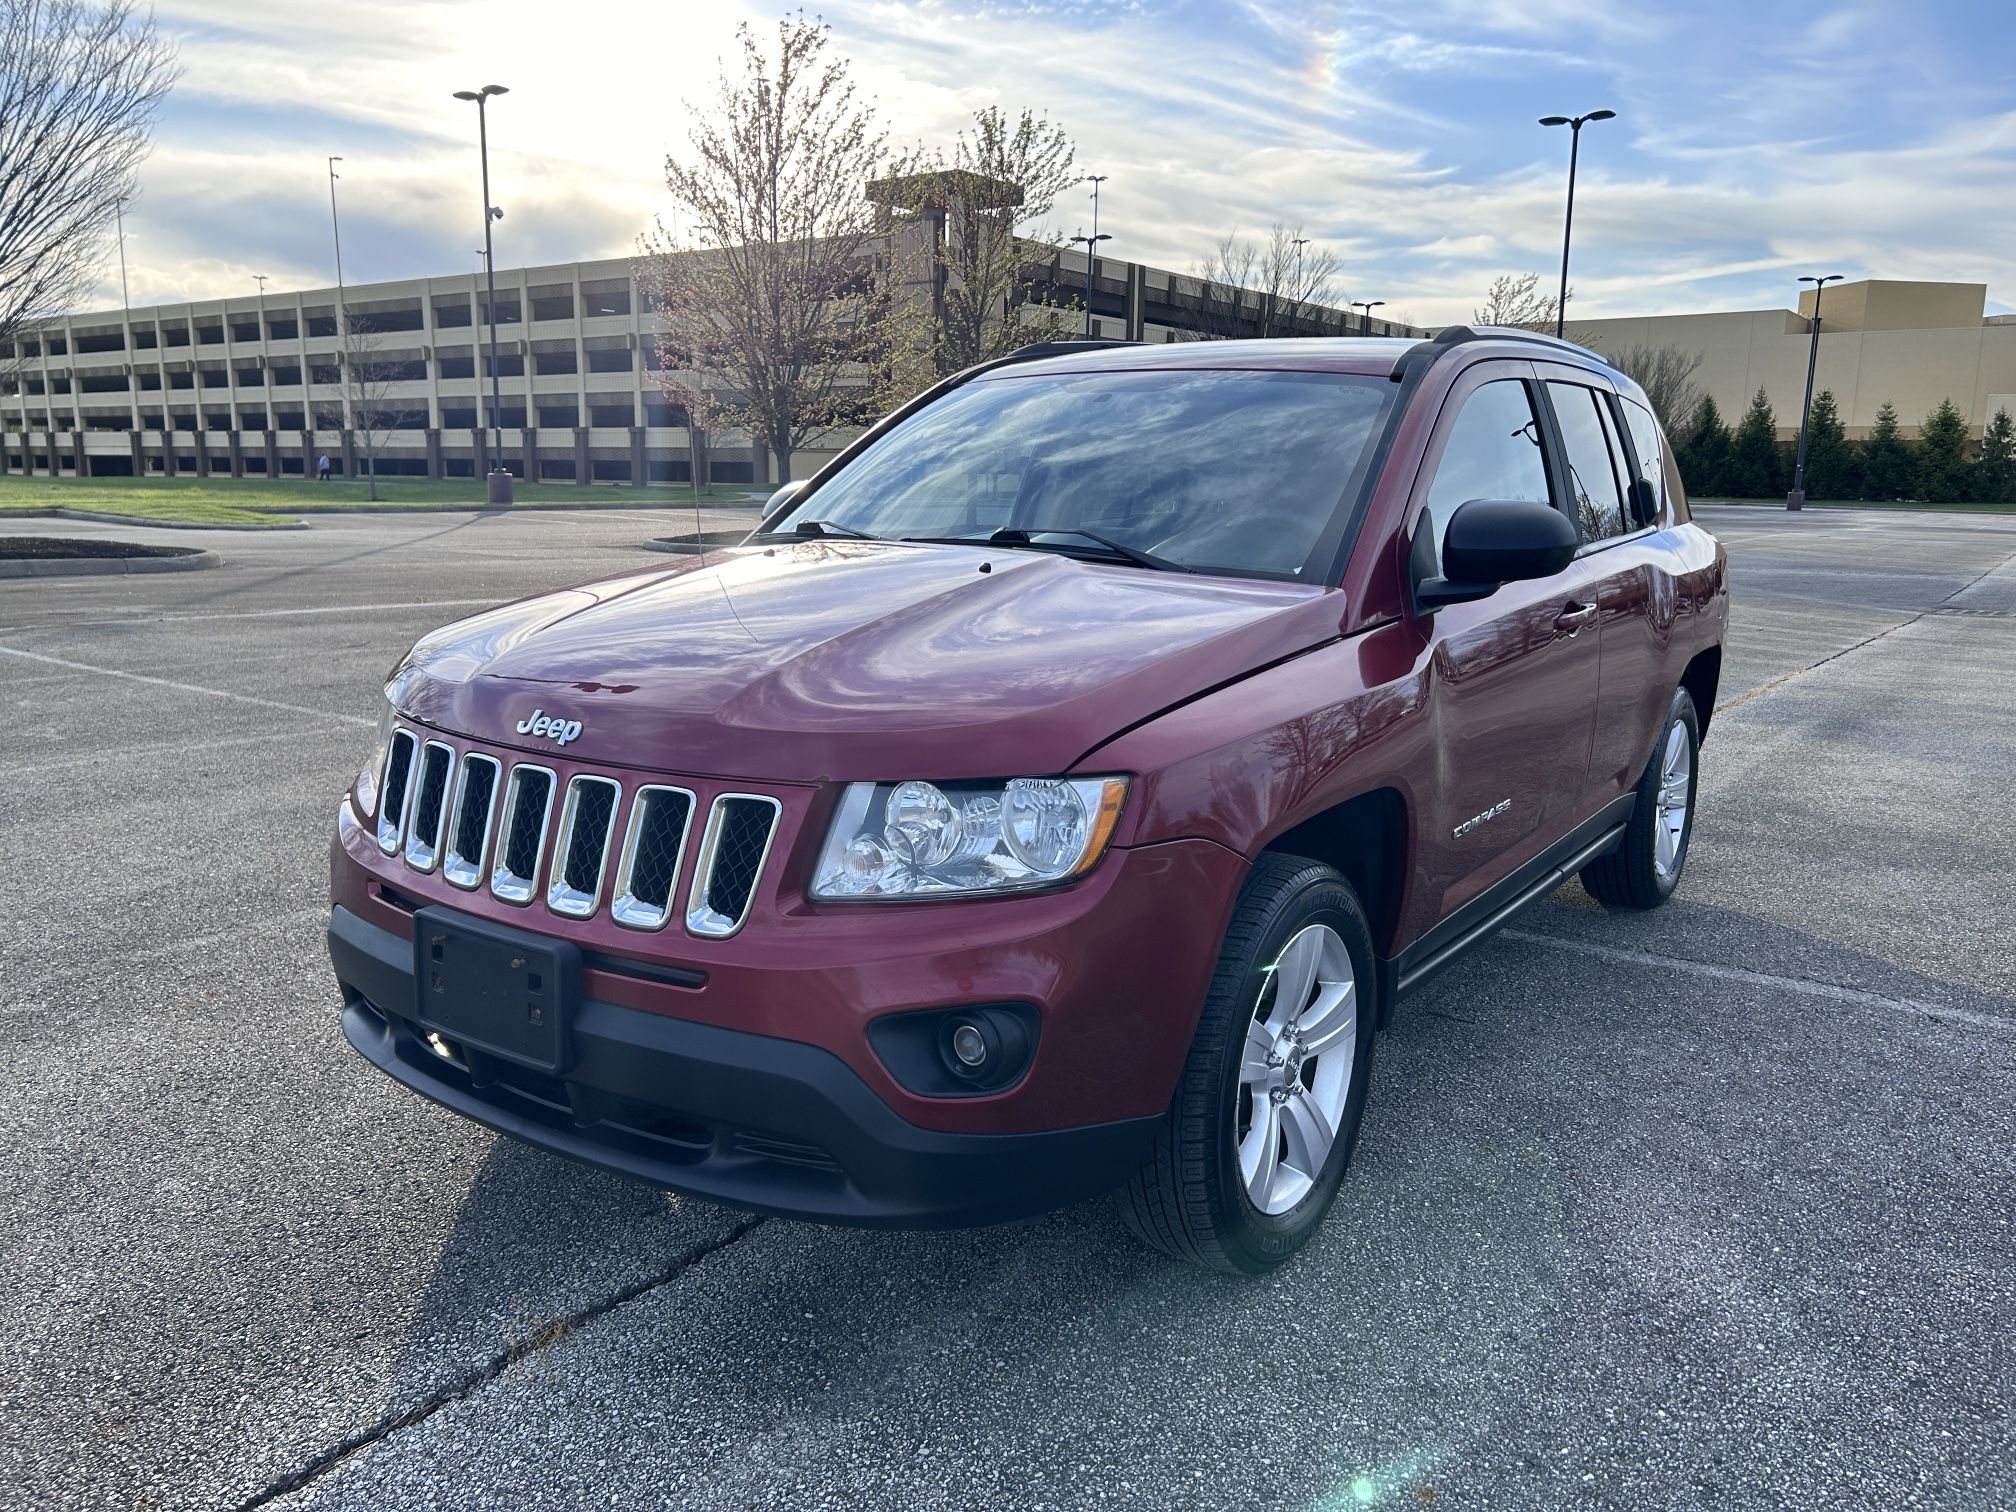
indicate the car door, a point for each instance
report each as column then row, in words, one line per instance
column 1515, row 674
column 1599, row 462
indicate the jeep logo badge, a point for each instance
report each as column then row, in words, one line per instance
column 539, row 723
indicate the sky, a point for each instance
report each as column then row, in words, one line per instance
column 1754, row 141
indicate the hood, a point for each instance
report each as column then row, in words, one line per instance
column 849, row 660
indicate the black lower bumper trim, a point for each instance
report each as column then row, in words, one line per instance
column 748, row 1120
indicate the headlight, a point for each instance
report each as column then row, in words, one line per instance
column 921, row 840
column 364, row 793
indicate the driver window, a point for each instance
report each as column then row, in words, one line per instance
column 1492, row 452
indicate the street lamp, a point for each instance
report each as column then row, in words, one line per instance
column 1797, row 498
column 1298, row 244
column 1366, row 307
column 500, row 476
column 1574, row 125
column 1091, row 244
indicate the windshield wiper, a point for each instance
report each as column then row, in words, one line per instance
column 1009, row 535
column 826, row 528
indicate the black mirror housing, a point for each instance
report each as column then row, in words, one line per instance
column 1494, row 541
column 776, row 503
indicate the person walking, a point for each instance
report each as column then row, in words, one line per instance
column 322, row 468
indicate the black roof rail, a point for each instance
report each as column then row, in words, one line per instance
column 1458, row 335
column 1038, row 350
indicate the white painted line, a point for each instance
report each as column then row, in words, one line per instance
column 234, row 614
column 182, row 687
column 125, row 754
column 1800, row 986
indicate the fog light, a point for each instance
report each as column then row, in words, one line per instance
column 970, row 1045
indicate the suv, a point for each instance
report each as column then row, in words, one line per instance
column 1054, row 794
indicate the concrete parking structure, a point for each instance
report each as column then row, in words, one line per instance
column 1707, row 1205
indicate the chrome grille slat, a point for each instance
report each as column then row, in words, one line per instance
column 470, row 819
column 392, row 790
column 521, row 833
column 429, row 805
column 740, row 830
column 581, row 848
column 661, row 817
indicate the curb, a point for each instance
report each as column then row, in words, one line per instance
column 41, row 567
column 503, row 509
column 96, row 517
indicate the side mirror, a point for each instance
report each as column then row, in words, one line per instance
column 1494, row 541
column 776, row 503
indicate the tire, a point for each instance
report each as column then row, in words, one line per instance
column 1646, row 865
column 1193, row 1198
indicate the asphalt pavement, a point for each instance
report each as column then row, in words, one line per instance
column 1714, row 1206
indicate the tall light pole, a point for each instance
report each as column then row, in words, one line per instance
column 125, row 297
column 1574, row 125
column 336, row 231
column 1091, row 245
column 500, row 488
column 1095, row 180
column 1797, row 498
column 1299, row 243
column 1366, row 307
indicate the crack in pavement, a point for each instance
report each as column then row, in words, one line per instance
column 1803, row 986
column 474, row 1380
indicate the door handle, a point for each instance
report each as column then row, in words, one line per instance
column 1574, row 617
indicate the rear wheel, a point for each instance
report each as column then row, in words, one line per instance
column 1256, row 1142
column 1645, row 867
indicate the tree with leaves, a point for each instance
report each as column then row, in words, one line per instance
column 1667, row 376
column 1995, row 471
column 782, row 314
column 1267, row 288
column 1943, row 470
column 1517, row 300
column 1887, row 463
column 990, row 286
column 79, row 88
column 1704, row 455
column 1756, row 463
column 1830, row 460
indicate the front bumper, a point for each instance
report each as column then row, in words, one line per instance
column 750, row 1120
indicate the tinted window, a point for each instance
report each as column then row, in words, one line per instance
column 1651, row 447
column 1599, row 500
column 1236, row 471
column 1492, row 452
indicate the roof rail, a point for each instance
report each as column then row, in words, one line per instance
column 1457, row 335
column 1038, row 350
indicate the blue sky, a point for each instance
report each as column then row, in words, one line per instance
column 1754, row 141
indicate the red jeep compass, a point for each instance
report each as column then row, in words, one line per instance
column 1054, row 794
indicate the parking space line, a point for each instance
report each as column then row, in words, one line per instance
column 174, row 747
column 1801, row 986
column 234, row 614
column 182, row 687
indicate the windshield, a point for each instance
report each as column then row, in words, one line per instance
column 1233, row 472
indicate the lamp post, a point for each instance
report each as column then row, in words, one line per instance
column 1299, row 243
column 1091, row 245
column 342, row 307
column 1574, row 125
column 500, row 477
column 125, row 297
column 1366, row 307
column 1797, row 498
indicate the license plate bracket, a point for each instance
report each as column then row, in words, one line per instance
column 503, row 991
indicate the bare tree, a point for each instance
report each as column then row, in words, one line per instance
column 780, row 310
column 992, row 288
column 1516, row 299
column 79, row 85
column 1667, row 376
column 373, row 380
column 1282, row 286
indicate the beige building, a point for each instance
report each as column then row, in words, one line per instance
column 1911, row 344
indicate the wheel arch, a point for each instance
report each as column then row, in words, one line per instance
column 1700, row 678
column 1365, row 837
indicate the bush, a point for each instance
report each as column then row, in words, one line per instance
column 1704, row 455
column 1830, row 459
column 1887, row 463
column 1995, row 472
column 1756, row 463
column 1943, row 473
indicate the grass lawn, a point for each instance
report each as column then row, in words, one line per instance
column 273, row 501
column 1910, row 506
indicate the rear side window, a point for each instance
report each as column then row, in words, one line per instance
column 1492, row 452
column 1651, row 448
column 1593, row 482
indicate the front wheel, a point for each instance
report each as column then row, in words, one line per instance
column 1256, row 1141
column 1645, row 866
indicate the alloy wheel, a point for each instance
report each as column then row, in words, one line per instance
column 1676, row 782
column 1295, row 1069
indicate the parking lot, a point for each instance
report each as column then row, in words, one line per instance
column 1714, row 1206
